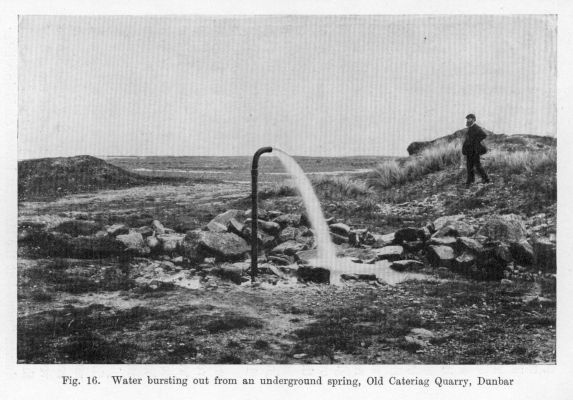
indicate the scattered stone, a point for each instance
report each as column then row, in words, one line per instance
column 274, row 214
column 465, row 262
column 442, row 221
column 232, row 272
column 225, row 217
column 440, row 256
column 117, row 229
column 455, row 228
column 281, row 259
column 340, row 229
column 407, row 265
column 178, row 260
column 306, row 255
column 158, row 227
column 383, row 240
column 506, row 228
column 153, row 243
column 407, row 235
column 313, row 274
column 235, row 227
column 145, row 231
column 338, row 239
column 171, row 242
column 224, row 246
column 289, row 247
column 214, row 226
column 443, row 241
column 288, row 220
column 468, row 244
column 288, row 233
column 390, row 253
column 414, row 246
column 133, row 242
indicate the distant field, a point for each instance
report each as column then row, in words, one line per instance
column 239, row 168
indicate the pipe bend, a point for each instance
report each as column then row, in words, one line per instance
column 258, row 153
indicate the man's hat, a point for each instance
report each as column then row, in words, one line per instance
column 472, row 116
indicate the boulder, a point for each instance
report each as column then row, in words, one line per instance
column 506, row 228
column 467, row 244
column 235, row 227
column 134, row 243
column 439, row 223
column 545, row 255
column 225, row 217
column 465, row 262
column 118, row 229
column 340, row 229
column 145, row 231
column 414, row 246
column 265, row 241
column 407, row 235
column 338, row 239
column 440, row 256
column 223, row 246
column 390, row 253
column 290, row 247
column 455, row 228
column 288, row 233
column 261, row 214
column 313, row 274
column 274, row 214
column 443, row 241
column 153, row 243
column 191, row 248
column 171, row 242
column 214, row 226
column 272, row 228
column 382, row 240
column 233, row 272
column 406, row 265
column 158, row 227
column 281, row 259
column 288, row 220
column 306, row 256
column 522, row 252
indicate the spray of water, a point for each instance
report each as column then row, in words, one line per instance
column 326, row 251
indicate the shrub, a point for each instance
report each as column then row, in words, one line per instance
column 522, row 161
column 340, row 187
column 432, row 159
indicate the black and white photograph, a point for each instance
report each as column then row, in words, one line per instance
column 264, row 190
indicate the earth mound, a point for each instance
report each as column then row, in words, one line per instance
column 498, row 141
column 47, row 178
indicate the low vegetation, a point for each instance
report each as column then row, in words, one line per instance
column 432, row 159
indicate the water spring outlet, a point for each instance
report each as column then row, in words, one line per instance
column 254, row 216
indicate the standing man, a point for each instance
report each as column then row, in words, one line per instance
column 473, row 149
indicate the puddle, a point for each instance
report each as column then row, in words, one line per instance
column 381, row 269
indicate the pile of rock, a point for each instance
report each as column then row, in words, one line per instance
column 489, row 248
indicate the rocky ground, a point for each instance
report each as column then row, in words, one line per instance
column 160, row 274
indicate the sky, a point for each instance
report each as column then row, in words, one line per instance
column 311, row 85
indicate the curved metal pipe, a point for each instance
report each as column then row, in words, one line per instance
column 254, row 210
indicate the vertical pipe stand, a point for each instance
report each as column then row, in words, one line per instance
column 254, row 210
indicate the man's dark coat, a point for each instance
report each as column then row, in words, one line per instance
column 472, row 145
